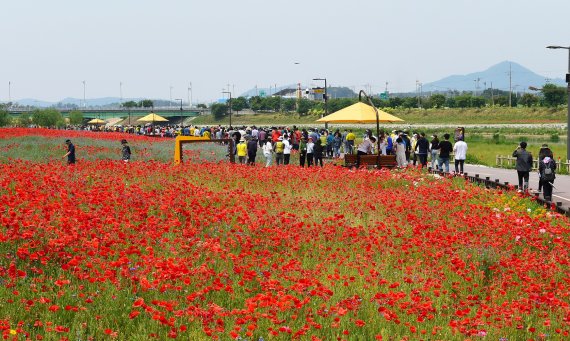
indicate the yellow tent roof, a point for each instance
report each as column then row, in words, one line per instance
column 152, row 117
column 359, row 113
column 96, row 121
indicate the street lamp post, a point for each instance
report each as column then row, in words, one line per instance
column 229, row 93
column 84, row 102
column 568, row 83
column 180, row 99
column 326, row 97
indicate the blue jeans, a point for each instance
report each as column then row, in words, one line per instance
column 441, row 161
column 433, row 158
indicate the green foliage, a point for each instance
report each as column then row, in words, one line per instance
column 130, row 104
column 238, row 104
column 555, row 138
column 304, row 105
column 23, row 120
column 201, row 106
column 47, row 118
column 5, row 118
column 554, row 95
column 219, row 110
column 146, row 103
column 437, row 101
column 529, row 100
column 288, row 104
column 75, row 117
column 256, row 103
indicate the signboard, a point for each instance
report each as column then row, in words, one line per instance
column 262, row 93
column 384, row 96
column 319, row 90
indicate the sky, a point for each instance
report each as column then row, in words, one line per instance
column 155, row 49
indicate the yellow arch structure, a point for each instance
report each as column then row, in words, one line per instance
column 181, row 140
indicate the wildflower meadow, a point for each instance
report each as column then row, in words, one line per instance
column 211, row 250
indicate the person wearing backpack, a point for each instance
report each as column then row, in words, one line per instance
column 546, row 169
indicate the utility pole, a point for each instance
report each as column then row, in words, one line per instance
column 492, row 96
column 190, row 95
column 84, row 102
column 170, row 102
column 510, row 85
column 9, row 91
column 121, row 92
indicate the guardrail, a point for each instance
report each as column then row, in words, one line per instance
column 510, row 161
column 497, row 184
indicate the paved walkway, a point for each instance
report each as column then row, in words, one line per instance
column 561, row 192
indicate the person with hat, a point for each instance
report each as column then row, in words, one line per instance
column 242, row 150
column 542, row 153
column 70, row 152
column 546, row 170
column 126, row 150
column 279, row 148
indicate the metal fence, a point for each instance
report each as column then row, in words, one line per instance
column 507, row 161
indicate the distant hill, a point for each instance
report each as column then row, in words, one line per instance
column 497, row 74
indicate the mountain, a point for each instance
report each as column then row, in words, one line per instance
column 498, row 75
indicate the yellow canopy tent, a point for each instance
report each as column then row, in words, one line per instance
column 96, row 121
column 359, row 113
column 152, row 117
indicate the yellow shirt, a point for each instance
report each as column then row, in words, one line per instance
column 279, row 147
column 242, row 149
column 207, row 134
column 350, row 136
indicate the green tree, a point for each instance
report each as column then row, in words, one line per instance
column 273, row 103
column 288, row 104
column 437, row 100
column 304, row 105
column 5, row 118
column 219, row 110
column 529, row 100
column 238, row 104
column 75, row 117
column 478, row 102
column 394, row 102
column 553, row 95
column 256, row 103
column 47, row 118
column 201, row 106
column 463, row 101
column 410, row 102
column 450, row 102
column 130, row 104
column 23, row 120
column 146, row 103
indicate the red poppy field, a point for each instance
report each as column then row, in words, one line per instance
column 149, row 250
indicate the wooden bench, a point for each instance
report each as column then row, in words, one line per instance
column 386, row 161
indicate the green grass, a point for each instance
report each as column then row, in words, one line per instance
column 496, row 115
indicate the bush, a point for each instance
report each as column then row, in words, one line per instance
column 5, row 118
column 554, row 138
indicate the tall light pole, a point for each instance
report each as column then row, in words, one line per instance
column 326, row 97
column 121, row 92
column 9, row 91
column 568, row 83
column 228, row 92
column 190, row 95
column 180, row 99
column 84, row 102
column 170, row 102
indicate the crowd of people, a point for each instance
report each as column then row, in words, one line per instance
column 546, row 169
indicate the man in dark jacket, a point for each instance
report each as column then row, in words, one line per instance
column 524, row 165
column 422, row 146
column 251, row 151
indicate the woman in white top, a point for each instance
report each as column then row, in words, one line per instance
column 286, row 150
column 460, row 151
column 268, row 152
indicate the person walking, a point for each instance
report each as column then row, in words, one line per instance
column 460, row 151
column 286, row 149
column 350, row 137
column 318, row 153
column 422, row 147
column 302, row 151
column 434, row 146
column 268, row 151
column 125, row 151
column 337, row 143
column 242, row 151
column 70, row 152
column 544, row 152
column 547, row 169
column 524, row 165
column 445, row 149
column 279, row 148
column 399, row 149
column 310, row 150
column 252, row 150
